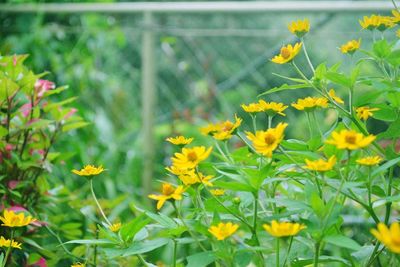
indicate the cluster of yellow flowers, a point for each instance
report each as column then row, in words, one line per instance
column 222, row 130
column 12, row 219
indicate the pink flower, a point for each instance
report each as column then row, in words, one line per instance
column 26, row 109
column 42, row 86
column 13, row 184
column 70, row 113
column 40, row 263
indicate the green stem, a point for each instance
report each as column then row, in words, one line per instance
column 187, row 227
column 389, row 193
column 255, row 216
column 306, row 54
column 269, row 121
column 288, row 250
column 316, row 123
column 277, row 252
column 351, row 101
column 98, row 204
column 372, row 257
column 395, row 5
column 253, row 119
column 316, row 255
column 369, row 185
column 175, row 252
column 141, row 259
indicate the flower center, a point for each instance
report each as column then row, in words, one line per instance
column 350, row 139
column 227, row 126
column 285, row 53
column 167, row 190
column 269, row 139
column 192, row 156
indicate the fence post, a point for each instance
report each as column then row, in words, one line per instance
column 148, row 102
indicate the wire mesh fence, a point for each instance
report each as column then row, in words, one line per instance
column 205, row 65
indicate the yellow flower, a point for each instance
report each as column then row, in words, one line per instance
column 265, row 142
column 300, row 27
column 396, row 16
column 251, row 108
column 389, row 237
column 217, row 192
column 209, row 129
column 179, row 140
column 223, row 230
column 191, row 177
column 287, row 53
column 279, row 229
column 369, row 161
column 9, row 243
column 78, row 264
column 333, row 95
column 115, row 227
column 226, row 129
column 350, row 47
column 190, row 157
column 167, row 192
column 271, row 108
column 365, row 112
column 310, row 103
column 11, row 219
column 320, row 164
column 350, row 139
column 89, row 170
column 378, row 22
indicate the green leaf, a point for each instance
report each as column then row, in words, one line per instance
column 162, row 219
column 385, row 166
column 90, row 241
column 342, row 241
column 201, row 259
column 339, row 78
column 129, row 230
column 74, row 125
column 235, row 186
column 285, row 87
column 143, row 247
column 322, row 259
column 381, row 49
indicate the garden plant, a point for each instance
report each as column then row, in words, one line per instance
column 248, row 196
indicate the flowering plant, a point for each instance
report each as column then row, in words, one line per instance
column 254, row 197
column 31, row 120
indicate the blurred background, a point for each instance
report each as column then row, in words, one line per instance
column 199, row 66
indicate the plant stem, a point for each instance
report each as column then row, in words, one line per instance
column 175, row 252
column 270, row 121
column 306, row 54
column 316, row 255
column 253, row 119
column 389, row 193
column 141, row 259
column 288, row 251
column 98, row 204
column 395, row 5
column 277, row 252
column 188, row 229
